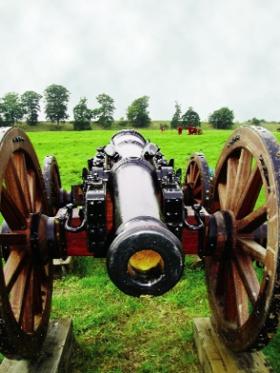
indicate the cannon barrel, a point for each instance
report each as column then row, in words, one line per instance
column 145, row 257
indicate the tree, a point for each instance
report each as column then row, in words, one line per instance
column 82, row 115
column 222, row 118
column 137, row 112
column 191, row 118
column 31, row 106
column 104, row 113
column 56, row 97
column 256, row 121
column 11, row 108
column 175, row 121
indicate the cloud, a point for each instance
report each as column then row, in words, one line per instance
column 203, row 54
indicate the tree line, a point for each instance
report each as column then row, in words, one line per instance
column 221, row 118
column 15, row 107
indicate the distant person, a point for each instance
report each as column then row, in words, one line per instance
column 180, row 130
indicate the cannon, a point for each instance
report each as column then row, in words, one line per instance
column 132, row 208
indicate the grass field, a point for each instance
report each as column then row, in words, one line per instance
column 114, row 332
column 72, row 149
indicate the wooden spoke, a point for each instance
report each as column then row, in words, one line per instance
column 17, row 292
column 11, row 213
column 196, row 179
column 13, row 267
column 191, row 171
column 248, row 276
column 250, row 195
column 242, row 175
column 240, row 296
column 236, row 306
column 253, row 220
column 38, row 205
column 31, row 177
column 195, row 172
column 252, row 248
column 222, row 195
column 20, row 162
column 27, row 307
column 230, row 302
column 231, row 177
column 15, row 188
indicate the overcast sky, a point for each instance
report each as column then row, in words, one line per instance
column 202, row 53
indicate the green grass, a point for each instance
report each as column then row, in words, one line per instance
column 118, row 333
column 72, row 149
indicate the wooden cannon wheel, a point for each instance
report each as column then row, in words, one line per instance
column 244, row 280
column 25, row 272
column 198, row 181
column 52, row 181
column 56, row 198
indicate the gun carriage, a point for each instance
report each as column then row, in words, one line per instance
column 132, row 209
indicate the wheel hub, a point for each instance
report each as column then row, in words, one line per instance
column 38, row 238
column 220, row 235
column 47, row 239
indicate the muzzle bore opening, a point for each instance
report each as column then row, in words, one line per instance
column 145, row 258
column 145, row 266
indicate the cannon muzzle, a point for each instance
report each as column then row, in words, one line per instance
column 145, row 258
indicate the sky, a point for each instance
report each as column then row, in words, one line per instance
column 201, row 53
